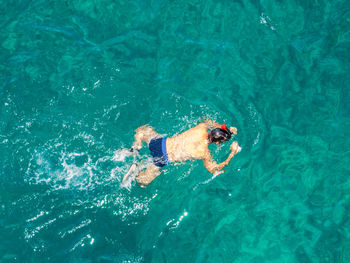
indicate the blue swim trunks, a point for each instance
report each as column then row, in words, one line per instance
column 157, row 147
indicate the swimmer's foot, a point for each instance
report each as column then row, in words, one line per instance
column 132, row 170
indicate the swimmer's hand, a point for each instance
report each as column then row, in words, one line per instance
column 235, row 148
column 233, row 130
column 216, row 173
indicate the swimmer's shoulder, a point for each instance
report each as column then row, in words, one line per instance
column 194, row 133
column 202, row 127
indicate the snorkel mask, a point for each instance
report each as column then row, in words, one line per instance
column 220, row 135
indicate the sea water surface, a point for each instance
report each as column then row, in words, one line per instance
column 78, row 77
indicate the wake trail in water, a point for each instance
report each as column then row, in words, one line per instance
column 75, row 170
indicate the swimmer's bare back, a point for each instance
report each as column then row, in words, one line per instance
column 191, row 144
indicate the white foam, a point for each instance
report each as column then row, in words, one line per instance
column 29, row 233
column 120, row 155
column 173, row 223
column 129, row 206
column 255, row 116
column 67, row 174
column 206, row 181
column 83, row 224
column 37, row 216
column 266, row 20
column 77, row 170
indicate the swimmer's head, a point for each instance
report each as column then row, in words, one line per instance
column 220, row 135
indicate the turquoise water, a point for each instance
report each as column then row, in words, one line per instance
column 77, row 77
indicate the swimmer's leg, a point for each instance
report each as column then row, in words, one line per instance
column 143, row 134
column 147, row 176
column 132, row 170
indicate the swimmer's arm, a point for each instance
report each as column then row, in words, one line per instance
column 213, row 167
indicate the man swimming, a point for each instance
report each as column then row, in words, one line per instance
column 191, row 144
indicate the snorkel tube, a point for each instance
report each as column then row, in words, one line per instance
column 224, row 127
